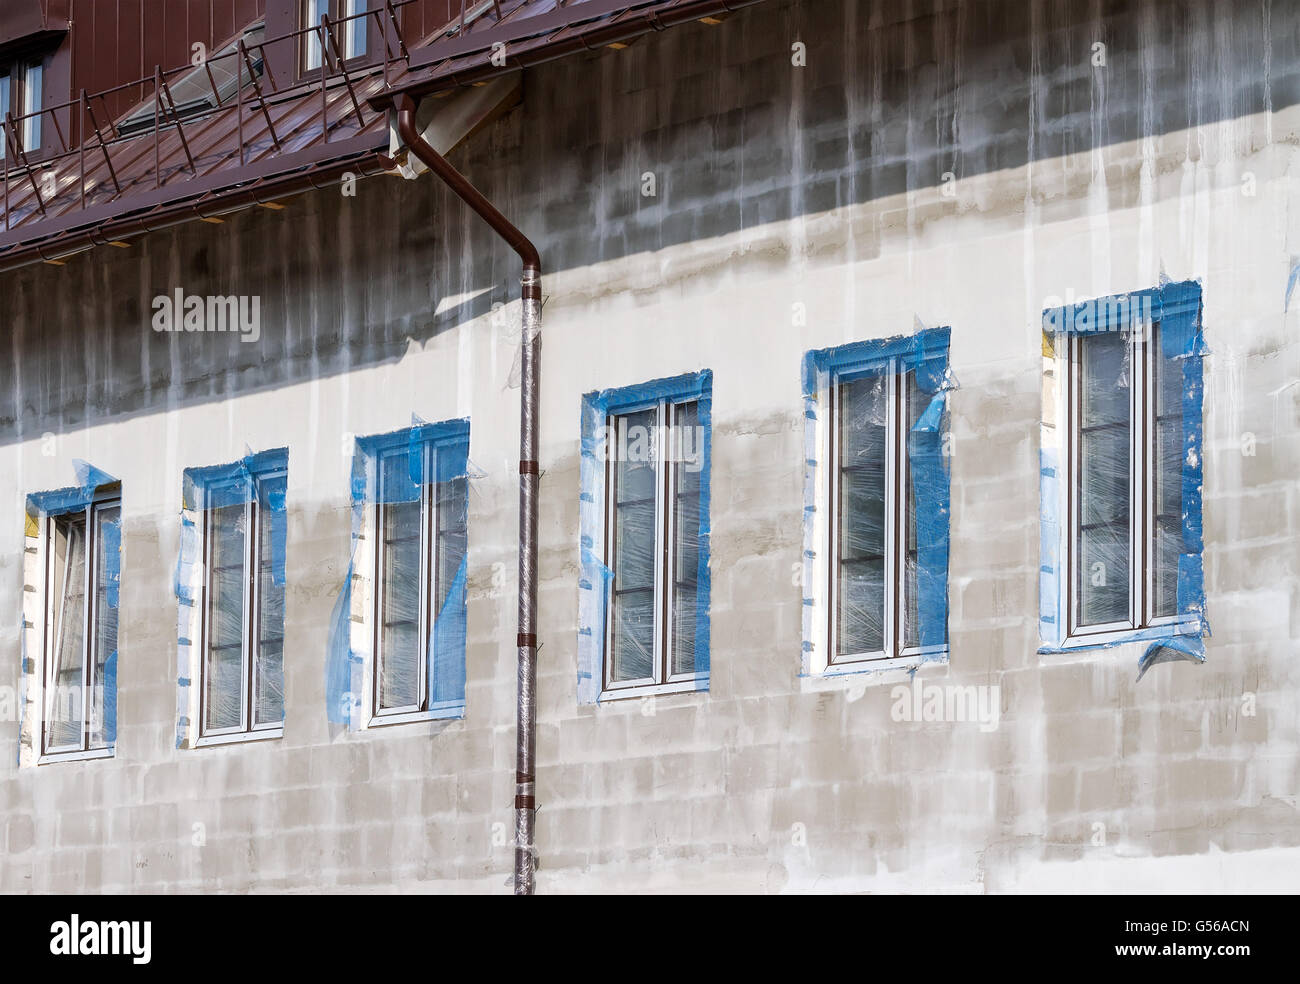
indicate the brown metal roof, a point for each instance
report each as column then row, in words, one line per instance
column 534, row 31
column 270, row 140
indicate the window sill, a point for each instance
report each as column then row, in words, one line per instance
column 1186, row 625
column 699, row 684
column 871, row 672
column 49, row 758
column 239, row 737
column 443, row 712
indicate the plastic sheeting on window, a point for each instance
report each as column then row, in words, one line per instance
column 67, row 646
column 690, row 397
column 108, row 578
column 219, row 497
column 1172, row 313
column 396, row 470
column 70, row 649
column 866, row 366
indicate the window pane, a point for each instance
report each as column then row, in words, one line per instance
column 633, row 559
column 447, row 669
column 5, row 107
column 453, row 510
column 916, row 402
column 313, row 10
column 269, row 671
column 1104, row 564
column 224, row 697
column 356, row 29
column 862, row 433
column 1167, row 523
column 64, row 703
column 399, row 621
column 688, row 458
column 108, row 524
column 33, row 84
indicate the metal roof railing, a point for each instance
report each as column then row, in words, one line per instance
column 105, row 181
column 93, row 162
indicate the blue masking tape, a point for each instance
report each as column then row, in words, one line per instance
column 930, row 481
column 342, row 695
column 111, row 549
column 446, row 655
column 277, row 506
column 703, row 582
column 110, row 699
column 89, row 478
column 1179, row 647
column 58, row 502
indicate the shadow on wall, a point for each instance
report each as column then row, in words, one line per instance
column 733, row 133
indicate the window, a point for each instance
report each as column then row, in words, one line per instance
column 396, row 652
column 646, row 500
column 420, row 549
column 82, row 563
column 875, row 569
column 241, row 692
column 873, row 552
column 349, row 35
column 22, row 95
column 1121, row 473
column 1125, row 444
column 32, row 100
column 652, row 546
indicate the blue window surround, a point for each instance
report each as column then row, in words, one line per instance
column 926, row 353
column 204, row 488
column 593, row 587
column 349, row 653
column 1177, row 308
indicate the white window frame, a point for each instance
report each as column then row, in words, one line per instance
column 429, row 585
column 23, row 80
column 1143, row 353
column 247, row 729
column 894, row 652
column 667, row 468
column 428, row 518
column 90, row 638
column 33, row 99
column 354, row 38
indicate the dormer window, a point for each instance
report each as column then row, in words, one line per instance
column 206, row 88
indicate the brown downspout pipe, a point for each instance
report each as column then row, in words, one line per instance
column 531, row 285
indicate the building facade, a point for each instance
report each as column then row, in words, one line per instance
column 919, row 387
